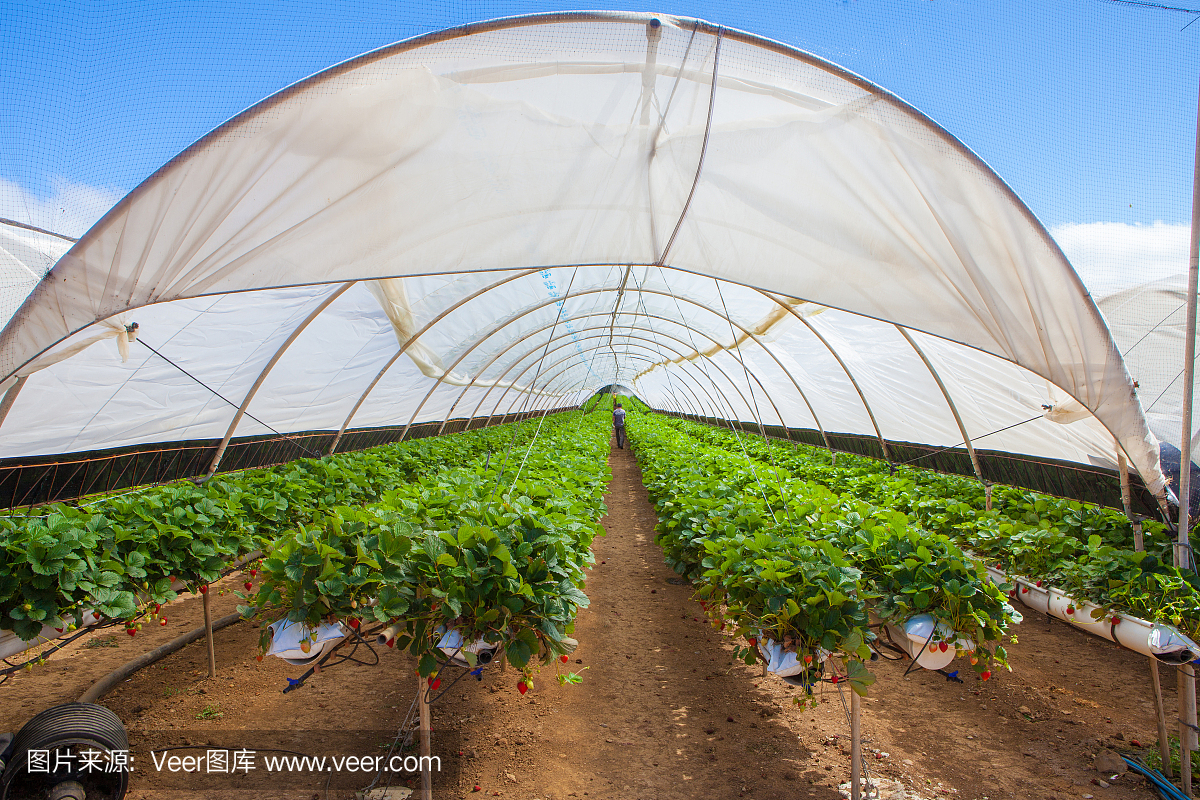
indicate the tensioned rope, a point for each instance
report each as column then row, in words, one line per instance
column 562, row 306
column 712, row 97
column 226, row 399
column 754, row 399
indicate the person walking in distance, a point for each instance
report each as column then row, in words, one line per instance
column 619, row 425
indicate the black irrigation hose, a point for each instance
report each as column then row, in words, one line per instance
column 296, row 683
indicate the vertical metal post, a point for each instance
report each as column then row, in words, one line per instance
column 1185, row 704
column 208, row 632
column 855, row 746
column 426, row 734
column 1187, row 675
column 1164, row 746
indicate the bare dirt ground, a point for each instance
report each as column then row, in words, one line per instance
column 662, row 712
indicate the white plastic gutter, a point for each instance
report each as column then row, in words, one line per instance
column 1154, row 639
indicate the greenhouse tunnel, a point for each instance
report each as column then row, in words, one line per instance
column 501, row 220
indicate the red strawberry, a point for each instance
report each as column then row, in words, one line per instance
column 354, row 623
column 986, row 674
column 1070, row 609
column 521, row 687
column 162, row 621
column 564, row 659
column 1135, row 743
column 835, row 678
column 157, row 607
column 253, row 572
column 943, row 646
column 807, row 658
column 1039, row 584
column 1116, row 620
column 131, row 631
column 753, row 642
column 434, row 683
column 477, row 789
column 248, row 585
column 204, row 588
column 1024, row 590
column 259, row 657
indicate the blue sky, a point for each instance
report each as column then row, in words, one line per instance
column 1086, row 107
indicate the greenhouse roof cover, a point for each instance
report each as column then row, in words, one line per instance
column 512, row 215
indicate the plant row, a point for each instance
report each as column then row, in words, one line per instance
column 1085, row 550
column 788, row 559
column 495, row 557
column 122, row 554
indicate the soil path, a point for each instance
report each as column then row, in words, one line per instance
column 663, row 711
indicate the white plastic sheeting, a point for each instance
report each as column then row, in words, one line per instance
column 26, row 255
column 572, row 201
column 1148, row 323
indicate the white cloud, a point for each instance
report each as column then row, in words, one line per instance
column 70, row 209
column 1110, row 256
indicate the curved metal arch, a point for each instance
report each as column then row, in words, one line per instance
column 672, row 349
column 599, row 346
column 527, row 353
column 538, row 306
column 718, row 366
column 528, row 335
column 480, row 339
column 950, row 402
column 404, row 347
column 266, row 370
column 684, row 324
column 566, row 344
column 633, row 356
column 634, row 314
column 879, row 435
column 531, row 364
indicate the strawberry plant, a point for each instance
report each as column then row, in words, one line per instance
column 120, row 554
column 452, row 549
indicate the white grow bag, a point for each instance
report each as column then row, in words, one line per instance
column 287, row 637
column 451, row 644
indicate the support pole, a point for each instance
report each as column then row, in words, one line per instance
column 1164, row 745
column 1183, row 559
column 426, row 733
column 1186, row 703
column 855, row 746
column 208, row 633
